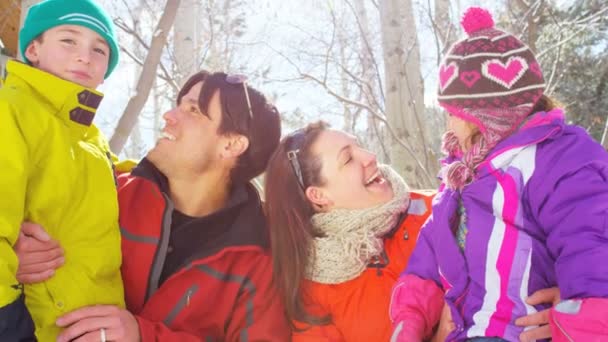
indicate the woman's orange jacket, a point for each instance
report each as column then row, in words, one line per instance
column 359, row 307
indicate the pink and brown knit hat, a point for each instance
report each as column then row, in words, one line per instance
column 491, row 78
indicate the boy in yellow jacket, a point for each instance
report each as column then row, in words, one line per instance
column 56, row 167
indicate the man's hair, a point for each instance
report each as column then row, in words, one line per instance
column 263, row 129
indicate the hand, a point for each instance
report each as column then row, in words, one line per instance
column 85, row 324
column 39, row 255
column 541, row 318
column 446, row 325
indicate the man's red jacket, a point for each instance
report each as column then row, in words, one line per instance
column 222, row 292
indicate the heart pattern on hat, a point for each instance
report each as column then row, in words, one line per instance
column 505, row 74
column 469, row 78
column 447, row 74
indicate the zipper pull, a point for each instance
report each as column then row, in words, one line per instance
column 188, row 297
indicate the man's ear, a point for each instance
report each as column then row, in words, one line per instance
column 318, row 197
column 235, row 145
column 32, row 52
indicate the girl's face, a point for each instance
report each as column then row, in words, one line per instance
column 463, row 130
column 350, row 173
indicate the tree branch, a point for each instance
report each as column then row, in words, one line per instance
column 147, row 76
column 165, row 76
column 376, row 115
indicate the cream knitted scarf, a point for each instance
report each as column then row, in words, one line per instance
column 353, row 237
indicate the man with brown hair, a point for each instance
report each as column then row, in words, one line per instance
column 196, row 263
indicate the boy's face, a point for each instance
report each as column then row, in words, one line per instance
column 74, row 53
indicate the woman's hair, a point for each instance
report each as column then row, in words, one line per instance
column 289, row 216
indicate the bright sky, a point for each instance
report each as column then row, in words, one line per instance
column 273, row 25
column 270, row 28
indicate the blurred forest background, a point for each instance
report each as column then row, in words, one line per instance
column 366, row 66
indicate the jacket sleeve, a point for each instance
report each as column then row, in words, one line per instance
column 158, row 332
column 259, row 314
column 415, row 308
column 14, row 164
column 119, row 166
column 417, row 299
column 579, row 320
column 422, row 262
column 315, row 304
column 574, row 216
column 570, row 203
column 122, row 166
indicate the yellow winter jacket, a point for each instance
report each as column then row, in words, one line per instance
column 56, row 170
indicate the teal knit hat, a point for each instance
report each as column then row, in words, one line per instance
column 50, row 13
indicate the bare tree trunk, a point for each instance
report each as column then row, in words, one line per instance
column 349, row 123
column 368, row 76
column 604, row 141
column 185, row 42
column 405, row 93
column 447, row 31
column 599, row 91
column 135, row 143
column 532, row 19
column 147, row 77
column 157, row 112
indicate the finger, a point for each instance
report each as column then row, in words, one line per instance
column 35, row 230
column 82, row 328
column 544, row 296
column 30, row 244
column 538, row 318
column 85, row 313
column 33, row 278
column 95, row 336
column 42, row 266
column 539, row 333
column 32, row 258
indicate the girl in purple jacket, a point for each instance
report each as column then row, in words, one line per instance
column 523, row 204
